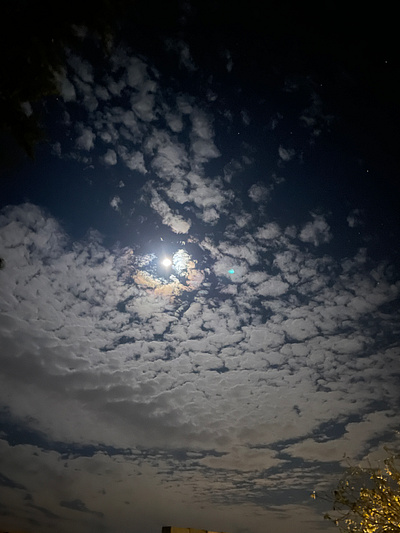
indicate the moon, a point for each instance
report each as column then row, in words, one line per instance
column 166, row 262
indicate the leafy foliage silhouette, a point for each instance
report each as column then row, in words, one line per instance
column 367, row 499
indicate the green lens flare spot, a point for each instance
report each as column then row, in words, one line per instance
column 231, row 271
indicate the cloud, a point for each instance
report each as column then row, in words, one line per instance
column 143, row 103
column 272, row 287
column 101, row 93
column 236, row 378
column 133, row 160
column 98, row 96
column 110, row 157
column 229, row 61
column 259, row 193
column 243, row 458
column 208, row 195
column 169, row 158
column 27, row 108
column 316, row 232
column 286, row 154
column 136, row 72
column 174, row 121
column 115, row 203
column 314, row 117
column 247, row 252
column 65, row 86
column 245, row 117
column 115, row 87
column 176, row 222
column 85, row 141
column 171, row 162
column 130, row 139
column 299, row 329
column 201, row 124
column 356, row 436
column 354, row 218
column 204, row 150
column 269, row 232
column 81, row 67
column 182, row 49
column 184, row 104
column 202, row 135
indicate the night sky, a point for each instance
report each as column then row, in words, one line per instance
column 256, row 148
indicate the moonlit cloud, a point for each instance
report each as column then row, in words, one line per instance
column 116, row 202
column 229, row 61
column 316, row 232
column 85, row 141
column 174, row 121
column 354, row 218
column 182, row 49
column 67, row 89
column 176, row 222
column 110, row 157
column 286, row 154
column 169, row 159
column 245, row 117
column 269, row 232
column 133, row 160
column 315, row 117
column 92, row 278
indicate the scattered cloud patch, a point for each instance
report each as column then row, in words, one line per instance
column 115, row 203
column 269, row 232
column 110, row 157
column 85, row 141
column 259, row 193
column 229, row 61
column 244, row 114
column 354, row 219
column 286, row 154
column 316, row 232
column 175, row 221
column 182, row 49
column 65, row 86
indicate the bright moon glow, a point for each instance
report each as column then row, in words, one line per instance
column 167, row 262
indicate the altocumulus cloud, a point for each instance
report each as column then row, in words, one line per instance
column 71, row 327
column 135, row 138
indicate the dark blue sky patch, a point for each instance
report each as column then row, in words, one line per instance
column 78, row 505
column 7, row 482
column 43, row 510
column 16, row 433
